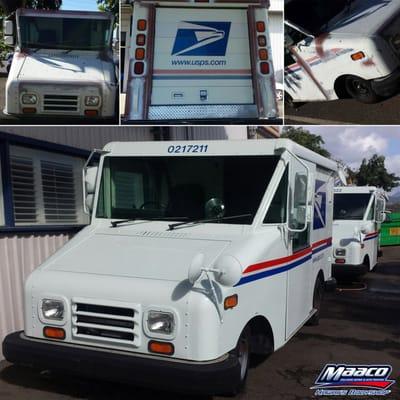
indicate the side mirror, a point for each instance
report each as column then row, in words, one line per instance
column 90, row 176
column 9, row 40
column 8, row 28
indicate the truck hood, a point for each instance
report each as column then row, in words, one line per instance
column 161, row 257
column 46, row 66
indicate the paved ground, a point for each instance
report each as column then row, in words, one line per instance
column 356, row 327
column 345, row 112
column 9, row 120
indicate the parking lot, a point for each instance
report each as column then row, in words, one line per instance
column 356, row 327
column 342, row 112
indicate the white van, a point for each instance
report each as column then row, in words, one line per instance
column 62, row 65
column 342, row 49
column 199, row 60
column 198, row 254
column 358, row 214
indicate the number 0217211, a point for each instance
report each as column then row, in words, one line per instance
column 188, row 148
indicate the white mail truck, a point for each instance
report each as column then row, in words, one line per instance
column 62, row 65
column 199, row 60
column 358, row 214
column 342, row 49
column 198, row 255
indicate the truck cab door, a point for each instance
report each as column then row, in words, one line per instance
column 300, row 268
column 303, row 81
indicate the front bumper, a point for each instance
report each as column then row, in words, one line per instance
column 343, row 270
column 388, row 85
column 188, row 377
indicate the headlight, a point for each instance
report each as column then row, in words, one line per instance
column 160, row 322
column 340, row 252
column 53, row 309
column 92, row 101
column 29, row 98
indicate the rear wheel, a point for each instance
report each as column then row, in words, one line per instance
column 361, row 90
column 317, row 302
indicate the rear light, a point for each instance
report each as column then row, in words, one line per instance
column 262, row 41
column 29, row 110
column 264, row 68
column 91, row 113
column 54, row 333
column 138, row 68
column 141, row 25
column 260, row 26
column 139, row 54
column 161, row 347
column 358, row 56
column 140, row 39
column 263, row 54
column 340, row 260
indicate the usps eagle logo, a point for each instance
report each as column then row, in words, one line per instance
column 201, row 38
column 319, row 205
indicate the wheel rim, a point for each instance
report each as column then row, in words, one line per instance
column 243, row 356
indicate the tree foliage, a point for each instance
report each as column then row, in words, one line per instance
column 306, row 139
column 43, row 4
column 111, row 6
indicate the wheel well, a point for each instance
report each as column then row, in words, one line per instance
column 366, row 261
column 340, row 87
column 321, row 275
column 262, row 337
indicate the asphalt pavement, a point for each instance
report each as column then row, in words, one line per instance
column 356, row 327
column 345, row 112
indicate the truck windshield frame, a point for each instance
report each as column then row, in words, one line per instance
column 65, row 33
column 165, row 187
column 350, row 206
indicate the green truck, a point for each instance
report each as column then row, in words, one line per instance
column 390, row 230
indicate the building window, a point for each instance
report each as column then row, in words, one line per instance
column 46, row 188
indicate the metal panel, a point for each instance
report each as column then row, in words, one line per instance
column 20, row 255
column 208, row 133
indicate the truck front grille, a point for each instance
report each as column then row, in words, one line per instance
column 105, row 322
column 58, row 102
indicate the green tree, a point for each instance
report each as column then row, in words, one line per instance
column 43, row 4
column 306, row 139
column 373, row 172
column 111, row 6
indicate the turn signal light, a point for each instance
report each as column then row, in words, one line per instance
column 161, row 347
column 91, row 113
column 54, row 333
column 263, row 54
column 138, row 68
column 141, row 24
column 358, row 56
column 264, row 68
column 231, row 301
column 260, row 26
column 139, row 54
column 140, row 39
column 340, row 260
column 262, row 40
column 29, row 110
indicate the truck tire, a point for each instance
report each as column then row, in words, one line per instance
column 361, row 90
column 317, row 302
column 242, row 352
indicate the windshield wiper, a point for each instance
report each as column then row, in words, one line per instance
column 203, row 221
column 122, row 221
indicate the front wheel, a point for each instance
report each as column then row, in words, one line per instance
column 317, row 302
column 361, row 90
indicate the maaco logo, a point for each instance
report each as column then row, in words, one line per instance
column 201, row 38
column 367, row 377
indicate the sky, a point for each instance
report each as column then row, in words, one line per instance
column 83, row 5
column 352, row 144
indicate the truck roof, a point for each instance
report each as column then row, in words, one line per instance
column 220, row 147
column 67, row 13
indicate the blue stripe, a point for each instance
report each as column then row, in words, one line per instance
column 372, row 237
column 321, row 248
column 271, row 272
column 197, row 77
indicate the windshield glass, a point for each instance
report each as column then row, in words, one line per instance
column 64, row 33
column 350, row 206
column 313, row 15
column 183, row 187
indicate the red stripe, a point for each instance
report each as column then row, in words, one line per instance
column 325, row 241
column 201, row 71
column 372, row 234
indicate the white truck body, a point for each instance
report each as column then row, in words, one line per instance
column 199, row 60
column 358, row 214
column 62, row 66
column 271, row 190
column 355, row 52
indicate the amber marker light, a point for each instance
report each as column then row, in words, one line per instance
column 161, row 347
column 231, row 302
column 358, row 56
column 54, row 333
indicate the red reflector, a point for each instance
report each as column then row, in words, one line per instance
column 260, row 26
column 262, row 41
column 264, row 68
column 340, row 261
column 141, row 24
column 263, row 54
column 29, row 110
column 139, row 54
column 138, row 68
column 91, row 113
column 140, row 39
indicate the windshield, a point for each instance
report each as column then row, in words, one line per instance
column 313, row 15
column 65, row 33
column 350, row 206
column 184, row 187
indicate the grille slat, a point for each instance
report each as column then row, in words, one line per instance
column 58, row 102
